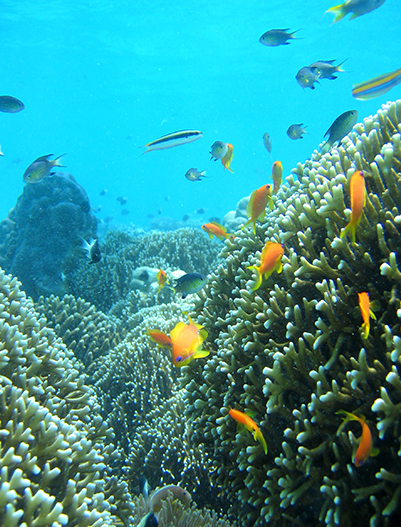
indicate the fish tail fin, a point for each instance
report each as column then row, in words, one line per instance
column 259, row 276
column 56, row 161
column 350, row 228
column 365, row 329
column 246, row 224
column 338, row 11
column 258, row 436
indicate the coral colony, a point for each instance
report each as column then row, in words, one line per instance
column 89, row 404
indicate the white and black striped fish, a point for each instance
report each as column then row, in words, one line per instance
column 174, row 139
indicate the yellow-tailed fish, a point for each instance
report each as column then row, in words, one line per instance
column 256, row 208
column 41, row 168
column 376, row 86
column 277, row 176
column 174, row 139
column 226, row 160
column 216, row 229
column 366, row 312
column 158, row 336
column 161, row 279
column 187, row 342
column 365, row 441
column 357, row 7
column 250, row 424
column 339, row 129
column 357, row 192
column 270, row 261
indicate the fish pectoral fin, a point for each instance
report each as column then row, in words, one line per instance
column 201, row 353
column 374, row 452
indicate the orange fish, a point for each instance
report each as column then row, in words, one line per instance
column 366, row 311
column 365, row 442
column 159, row 337
column 226, row 160
column 357, row 192
column 218, row 230
column 256, row 208
column 270, row 261
column 187, row 342
column 250, row 425
column 277, row 176
column 161, row 279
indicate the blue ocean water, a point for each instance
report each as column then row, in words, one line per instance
column 100, row 79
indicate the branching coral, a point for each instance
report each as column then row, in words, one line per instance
column 292, row 352
column 54, row 446
column 109, row 281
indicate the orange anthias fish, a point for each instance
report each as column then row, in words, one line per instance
column 357, row 192
column 277, row 176
column 366, row 311
column 187, row 342
column 161, row 279
column 159, row 337
column 256, row 208
column 214, row 228
column 250, row 425
column 365, row 442
column 270, row 261
column 226, row 160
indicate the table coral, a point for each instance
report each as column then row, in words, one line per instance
column 292, row 352
column 54, row 446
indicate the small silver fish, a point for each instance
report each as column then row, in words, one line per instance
column 339, row 129
column 174, row 139
column 41, row 168
column 93, row 250
column 193, row 174
column 267, row 141
column 10, row 104
column 218, row 150
column 357, row 7
column 306, row 77
column 277, row 37
column 295, row 131
column 1, row 153
column 326, row 69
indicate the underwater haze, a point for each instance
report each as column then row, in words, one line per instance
column 101, row 79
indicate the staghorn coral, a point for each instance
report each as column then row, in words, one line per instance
column 54, row 446
column 139, row 392
column 109, row 281
column 292, row 351
column 84, row 330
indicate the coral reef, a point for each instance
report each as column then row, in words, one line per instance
column 55, row 449
column 139, row 391
column 292, row 352
column 42, row 230
column 174, row 514
column 111, row 280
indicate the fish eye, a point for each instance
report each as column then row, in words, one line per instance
column 178, row 359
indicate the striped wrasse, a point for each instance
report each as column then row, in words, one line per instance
column 174, row 139
column 377, row 86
